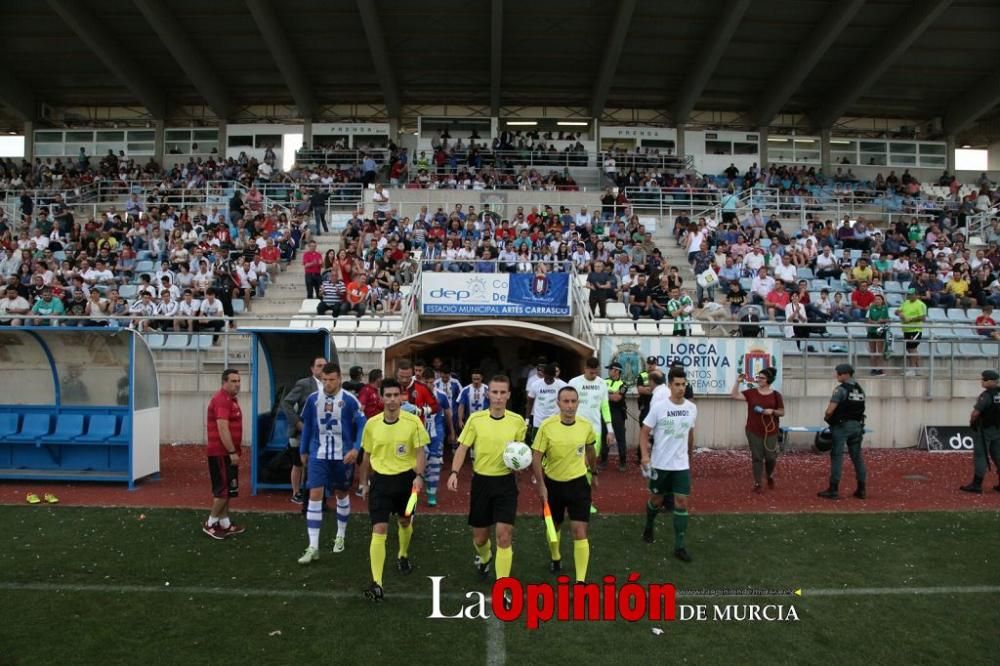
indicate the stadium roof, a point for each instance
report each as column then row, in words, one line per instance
column 919, row 59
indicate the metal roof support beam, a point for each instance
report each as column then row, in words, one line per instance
column 17, row 98
column 613, row 51
column 205, row 80
column 106, row 47
column 706, row 61
column 887, row 50
column 281, row 51
column 496, row 55
column 812, row 48
column 380, row 56
column 972, row 104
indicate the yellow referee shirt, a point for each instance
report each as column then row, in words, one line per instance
column 489, row 437
column 565, row 447
column 393, row 446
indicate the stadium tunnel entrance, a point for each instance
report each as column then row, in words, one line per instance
column 495, row 347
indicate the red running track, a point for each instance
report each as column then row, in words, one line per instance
column 898, row 480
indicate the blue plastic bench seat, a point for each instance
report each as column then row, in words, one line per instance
column 34, row 427
column 124, row 433
column 68, row 427
column 8, row 424
column 100, row 428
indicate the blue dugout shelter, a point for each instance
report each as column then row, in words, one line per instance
column 278, row 358
column 77, row 405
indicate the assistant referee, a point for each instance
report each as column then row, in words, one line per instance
column 567, row 445
column 395, row 443
column 493, row 500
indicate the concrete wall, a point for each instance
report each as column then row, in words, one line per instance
column 895, row 418
column 505, row 202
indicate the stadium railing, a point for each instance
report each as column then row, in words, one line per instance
column 341, row 157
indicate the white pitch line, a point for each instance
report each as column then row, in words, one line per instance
column 496, row 646
column 903, row 591
column 417, row 596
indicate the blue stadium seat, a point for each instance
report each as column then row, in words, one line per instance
column 144, row 267
column 34, row 426
column 68, row 427
column 937, row 314
column 239, row 306
column 805, row 273
column 893, row 300
column 99, row 429
column 155, row 341
column 128, row 291
column 893, row 287
column 124, row 433
column 819, row 285
column 746, row 284
column 176, row 341
column 8, row 424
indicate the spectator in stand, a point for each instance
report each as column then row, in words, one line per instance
column 601, row 284
column 317, row 201
column 986, row 326
column 827, row 265
column 797, row 320
column 860, row 273
column 212, row 314
column 15, row 306
column 659, row 298
column 332, row 294
column 777, row 301
column 861, row 299
column 357, row 296
column 761, row 286
column 878, row 319
column 912, row 313
column 143, row 311
column 312, row 261
column 639, row 299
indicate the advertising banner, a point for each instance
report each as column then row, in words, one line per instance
column 495, row 294
column 712, row 364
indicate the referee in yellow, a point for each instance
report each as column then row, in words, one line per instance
column 493, row 499
column 567, row 445
column 395, row 445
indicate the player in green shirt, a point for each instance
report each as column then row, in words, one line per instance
column 912, row 313
column 679, row 307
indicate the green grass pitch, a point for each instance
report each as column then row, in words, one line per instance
column 86, row 585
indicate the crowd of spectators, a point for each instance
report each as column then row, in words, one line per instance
column 150, row 266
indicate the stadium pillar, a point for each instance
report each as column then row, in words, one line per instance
column 763, row 149
column 949, row 149
column 223, row 142
column 679, row 147
column 394, row 124
column 29, row 140
column 158, row 141
column 307, row 133
column 824, row 151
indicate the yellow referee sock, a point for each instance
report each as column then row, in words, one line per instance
column 554, row 548
column 485, row 552
column 405, row 534
column 505, row 559
column 581, row 558
column 376, row 553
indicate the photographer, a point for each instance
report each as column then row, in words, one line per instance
column 846, row 416
column 765, row 407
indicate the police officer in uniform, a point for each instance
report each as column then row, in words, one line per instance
column 645, row 390
column 846, row 416
column 985, row 419
column 616, row 402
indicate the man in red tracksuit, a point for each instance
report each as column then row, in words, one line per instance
column 416, row 393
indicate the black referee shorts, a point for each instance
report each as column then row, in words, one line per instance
column 389, row 494
column 493, row 499
column 571, row 497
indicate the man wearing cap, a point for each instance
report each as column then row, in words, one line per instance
column 616, row 402
column 912, row 313
column 985, row 420
column 846, row 416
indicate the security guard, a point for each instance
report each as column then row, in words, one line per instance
column 616, row 401
column 846, row 416
column 645, row 390
column 985, row 419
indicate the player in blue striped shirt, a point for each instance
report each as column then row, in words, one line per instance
column 439, row 426
column 332, row 422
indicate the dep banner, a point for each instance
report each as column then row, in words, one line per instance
column 712, row 364
column 495, row 294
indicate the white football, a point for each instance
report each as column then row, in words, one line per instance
column 517, row 456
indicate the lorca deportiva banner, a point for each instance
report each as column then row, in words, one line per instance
column 712, row 364
column 495, row 294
